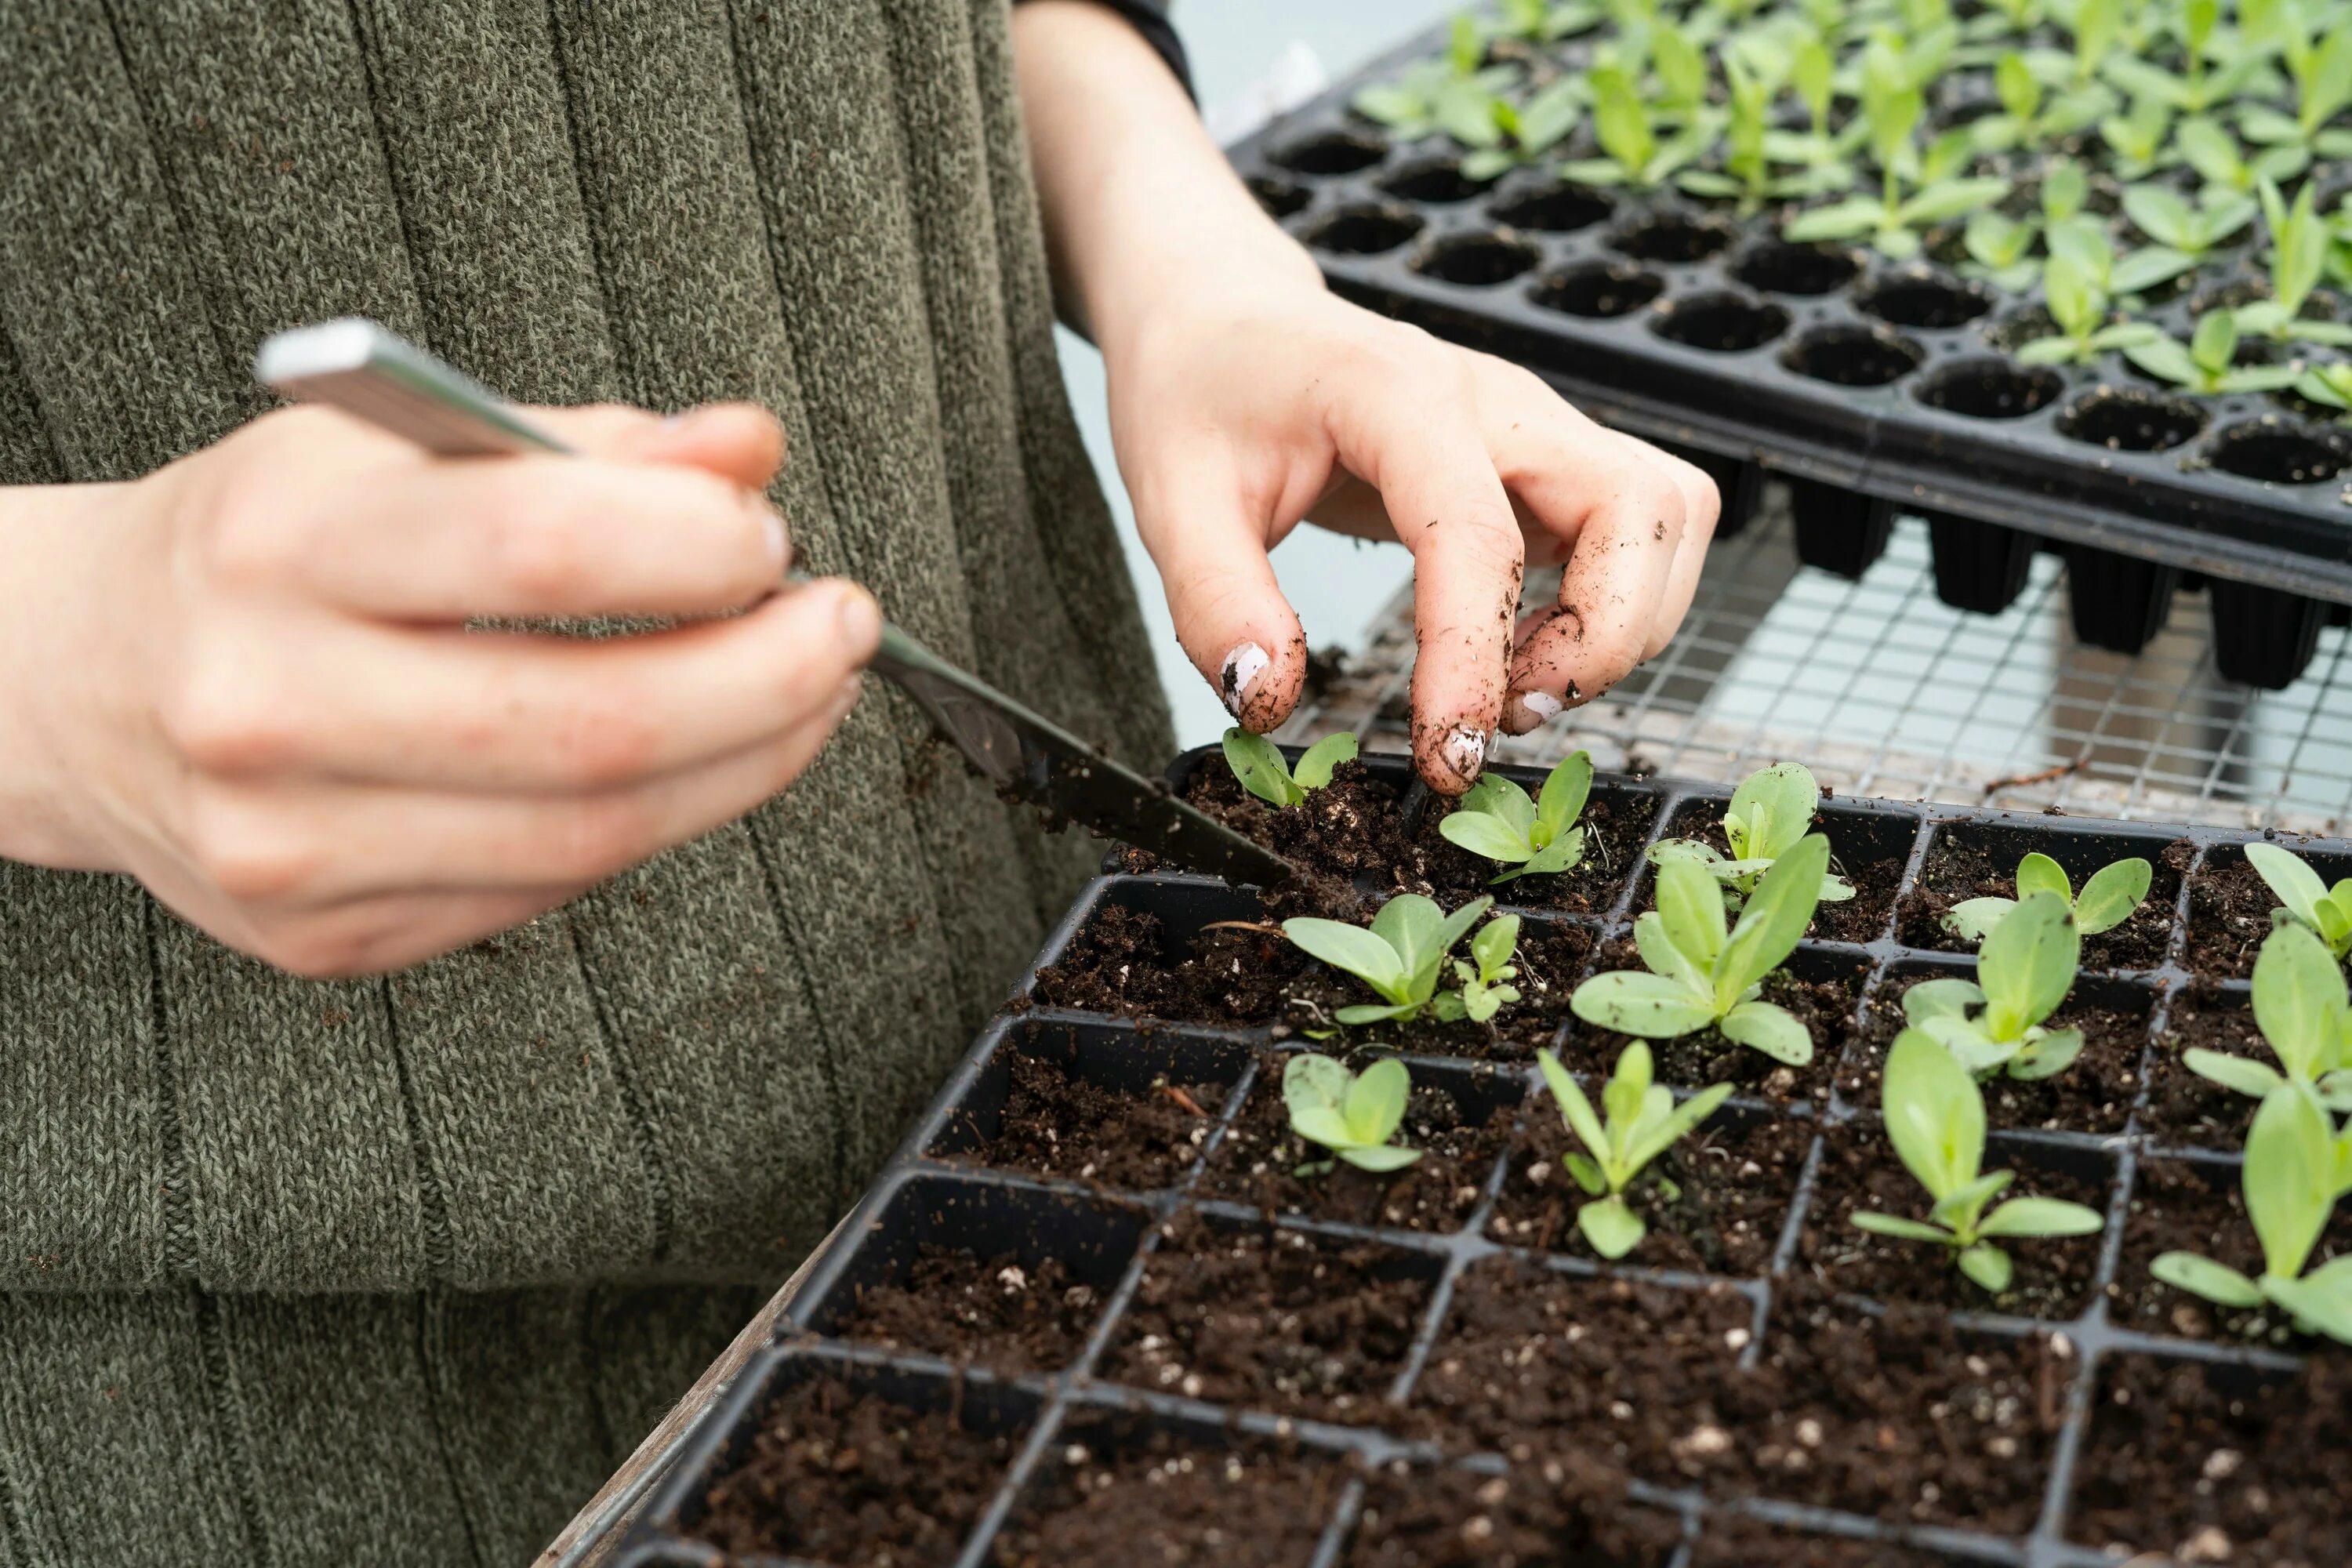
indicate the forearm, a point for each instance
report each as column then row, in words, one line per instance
column 1141, row 210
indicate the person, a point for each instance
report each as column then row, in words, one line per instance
column 423, row 1038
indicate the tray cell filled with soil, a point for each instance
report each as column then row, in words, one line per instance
column 1273, row 1318
column 2229, row 905
column 2094, row 1095
column 1103, row 1104
column 1978, row 860
column 1548, row 1511
column 2197, row 1206
column 1616, row 822
column 1714, row 1203
column 1008, row 1277
column 2184, row 1109
column 1459, row 1118
column 1869, row 845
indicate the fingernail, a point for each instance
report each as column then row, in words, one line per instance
column 1239, row 673
column 1540, row 705
column 846, row 697
column 1464, row 752
column 780, row 550
column 861, row 620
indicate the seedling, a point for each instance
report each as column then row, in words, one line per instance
column 2196, row 90
column 1935, row 1120
column 2300, row 239
column 2190, row 230
column 1769, row 814
column 2295, row 1170
column 2329, row 386
column 1454, row 93
column 1525, row 132
column 1354, row 1115
column 2208, row 361
column 2301, row 1007
column 1485, row 981
column 2000, row 247
column 2080, row 307
column 1627, row 131
column 1747, row 172
column 1401, row 957
column 1258, row 765
column 1820, row 151
column 1893, row 104
column 1699, row 974
column 2109, row 897
column 1547, row 21
column 1497, row 820
column 2321, row 71
column 1642, row 1122
column 2031, row 115
column 2140, row 140
column 2023, row 972
column 2213, row 153
column 2305, row 899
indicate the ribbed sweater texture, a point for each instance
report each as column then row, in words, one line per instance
column 396, row 1270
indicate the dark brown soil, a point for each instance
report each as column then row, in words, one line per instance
column 1352, row 827
column 1733, row 1540
column 1118, row 1493
column 2183, row 1207
column 1614, row 833
column 1257, row 1160
column 2230, row 909
column 2094, row 1095
column 1246, row 977
column 1826, row 1007
column 995, row 1312
column 1057, row 1125
column 1539, row 1518
column 1736, row 1183
column 853, row 1478
column 1858, row 1170
column 2184, row 1109
column 1862, row 917
column 1956, row 872
column 1273, row 1319
column 2217, row 1470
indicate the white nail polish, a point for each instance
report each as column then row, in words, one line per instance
column 1240, row 671
column 1465, row 752
column 1540, row 705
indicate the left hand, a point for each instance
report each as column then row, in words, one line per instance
column 1240, row 411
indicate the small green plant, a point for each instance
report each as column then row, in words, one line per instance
column 2305, row 898
column 1747, row 172
column 2302, row 1008
column 2295, row 1169
column 1822, row 151
column 1892, row 104
column 2141, row 140
column 2190, row 230
column 2320, row 69
column 2023, row 972
column 1258, row 765
column 1498, row 821
column 2033, row 116
column 1547, row 21
column 2108, row 899
column 2081, row 309
column 2201, row 85
column 2000, row 247
column 1485, row 981
column 2300, row 239
column 1769, row 814
column 1524, row 132
column 1699, row 974
column 1935, row 1120
column 2214, row 153
column 1628, row 128
column 1643, row 1121
column 1354, row 1115
column 2329, row 386
column 1401, row 956
column 1454, row 93
column 2207, row 362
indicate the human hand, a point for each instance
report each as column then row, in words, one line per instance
column 245, row 679
column 1253, row 405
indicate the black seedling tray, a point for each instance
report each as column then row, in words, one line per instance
column 1869, row 384
column 939, row 1188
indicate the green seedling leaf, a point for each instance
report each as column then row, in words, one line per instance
column 1496, row 820
column 1316, row 765
column 2217, row 1282
column 2306, row 898
column 2028, row 965
column 1257, row 765
column 2294, row 1170
column 1352, row 1115
column 1639, row 1121
column 1769, row 814
column 1401, row 957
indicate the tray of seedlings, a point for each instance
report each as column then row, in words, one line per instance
column 2059, row 270
column 1600, row 1170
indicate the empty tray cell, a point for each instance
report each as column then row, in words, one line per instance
column 2198, row 1206
column 1091, row 1103
column 1558, row 208
column 2230, row 906
column 1117, row 1486
column 1278, row 1319
column 1459, row 1118
column 1003, row 1276
column 2278, row 451
column 1616, row 823
column 2094, row 1096
column 1776, row 266
column 1597, row 288
column 2262, row 637
column 1170, row 948
column 1976, row 859
column 1979, row 566
column 1327, row 153
column 1437, row 182
column 1987, row 387
column 1477, row 260
column 1851, row 356
column 1673, row 238
column 1714, row 1203
column 2126, row 419
column 2117, row 602
column 2054, row 1275
column 1923, row 299
column 841, row 1463
column 1280, row 198
column 2182, row 1109
column 1543, row 1512
column 1720, row 321
column 1363, row 228
column 1838, row 530
column 2207, row 1464
column 1870, row 844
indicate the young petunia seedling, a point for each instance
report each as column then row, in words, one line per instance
column 1642, row 1122
column 1769, row 814
column 2207, row 362
column 1935, row 1120
column 1485, row 981
column 1257, row 763
column 1699, row 972
column 2305, row 898
column 1993, row 1022
column 1401, row 956
column 2295, row 1169
column 1498, row 821
column 2303, row 1010
column 1354, row 1115
column 2108, row 898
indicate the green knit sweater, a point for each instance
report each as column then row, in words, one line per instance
column 395, row 1271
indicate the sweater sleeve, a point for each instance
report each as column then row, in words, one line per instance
column 1150, row 17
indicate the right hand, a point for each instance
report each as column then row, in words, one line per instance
column 246, row 679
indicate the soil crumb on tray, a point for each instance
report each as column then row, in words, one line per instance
column 2180, row 1206
column 1057, row 1124
column 1257, row 1160
column 1542, row 1516
column 1272, row 1318
column 851, row 1478
column 2213, row 1467
column 2095, row 1094
column 995, row 1312
column 1955, row 872
column 1115, row 1493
